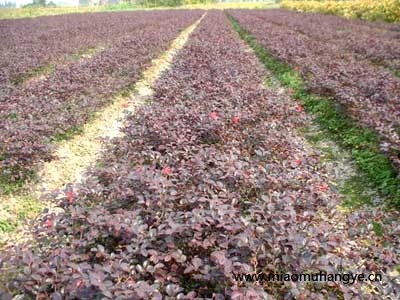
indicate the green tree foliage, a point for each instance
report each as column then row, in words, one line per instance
column 39, row 3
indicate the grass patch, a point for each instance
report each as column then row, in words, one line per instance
column 36, row 72
column 67, row 135
column 395, row 71
column 85, row 53
column 353, row 190
column 12, row 116
column 7, row 226
column 270, row 82
column 9, row 185
column 128, row 91
column 363, row 144
column 314, row 138
column 28, row 208
column 377, row 228
column 14, row 210
column 328, row 154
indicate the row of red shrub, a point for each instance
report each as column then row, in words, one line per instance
column 365, row 40
column 30, row 116
column 367, row 92
column 210, row 180
column 29, row 44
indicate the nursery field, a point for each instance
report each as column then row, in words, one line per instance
column 191, row 154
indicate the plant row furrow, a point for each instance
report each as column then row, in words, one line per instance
column 34, row 116
column 210, row 180
column 368, row 93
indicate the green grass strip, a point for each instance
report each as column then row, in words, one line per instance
column 363, row 143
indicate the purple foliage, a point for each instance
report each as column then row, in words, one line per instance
column 28, row 44
column 210, row 179
column 31, row 115
column 374, row 43
column 369, row 93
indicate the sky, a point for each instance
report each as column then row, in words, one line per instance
column 64, row 2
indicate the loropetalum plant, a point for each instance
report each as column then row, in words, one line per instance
column 29, row 44
column 211, row 179
column 365, row 40
column 32, row 116
column 367, row 92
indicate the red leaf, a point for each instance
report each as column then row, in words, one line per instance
column 298, row 161
column 323, row 187
column 125, row 105
column 78, row 283
column 167, row 171
column 49, row 223
column 299, row 108
column 214, row 115
column 235, row 120
column 70, row 196
column 291, row 91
